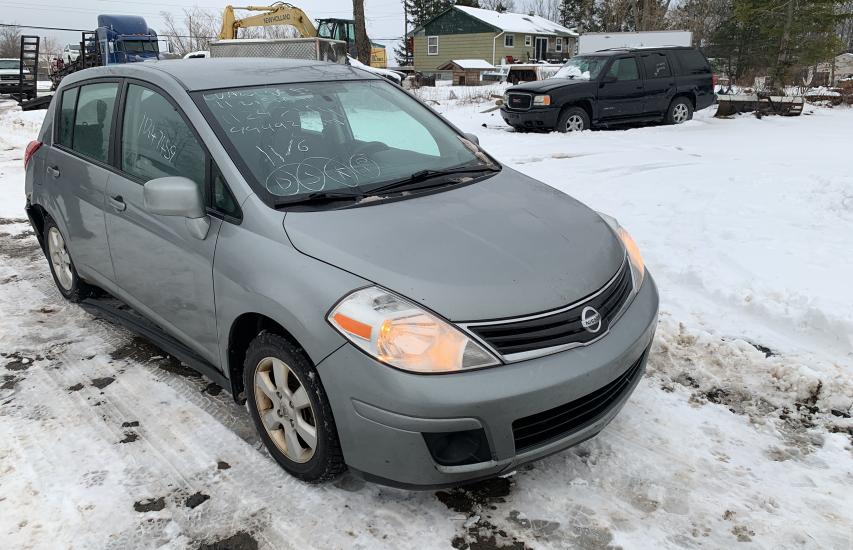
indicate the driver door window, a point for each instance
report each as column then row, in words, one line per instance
column 624, row 69
column 155, row 140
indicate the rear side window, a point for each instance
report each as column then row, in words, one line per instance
column 66, row 117
column 624, row 68
column 93, row 121
column 656, row 65
column 155, row 140
column 692, row 62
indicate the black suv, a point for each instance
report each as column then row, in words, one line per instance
column 613, row 87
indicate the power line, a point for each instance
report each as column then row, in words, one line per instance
column 40, row 27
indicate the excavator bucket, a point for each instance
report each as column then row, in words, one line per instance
column 760, row 104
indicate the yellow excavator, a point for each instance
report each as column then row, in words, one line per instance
column 281, row 13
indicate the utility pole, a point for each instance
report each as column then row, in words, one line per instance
column 362, row 43
column 406, row 30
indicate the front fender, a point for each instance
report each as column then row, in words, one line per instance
column 257, row 270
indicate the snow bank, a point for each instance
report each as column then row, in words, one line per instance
column 740, row 431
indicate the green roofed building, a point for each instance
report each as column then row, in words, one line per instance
column 460, row 32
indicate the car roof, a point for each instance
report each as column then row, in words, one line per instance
column 217, row 73
column 614, row 51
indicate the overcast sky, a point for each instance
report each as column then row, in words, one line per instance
column 384, row 17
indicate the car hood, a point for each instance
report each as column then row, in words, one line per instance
column 502, row 247
column 546, row 85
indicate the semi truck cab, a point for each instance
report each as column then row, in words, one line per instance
column 125, row 39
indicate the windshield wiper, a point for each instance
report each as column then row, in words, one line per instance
column 319, row 197
column 424, row 175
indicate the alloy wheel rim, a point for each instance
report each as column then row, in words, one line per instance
column 285, row 409
column 680, row 113
column 59, row 258
column 574, row 123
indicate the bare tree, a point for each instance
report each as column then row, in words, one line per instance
column 10, row 42
column 549, row 9
column 48, row 45
column 498, row 5
column 701, row 17
column 198, row 28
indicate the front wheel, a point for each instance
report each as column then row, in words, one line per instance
column 290, row 410
column 573, row 119
column 681, row 110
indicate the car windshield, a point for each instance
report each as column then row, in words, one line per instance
column 9, row 64
column 334, row 137
column 139, row 46
column 584, row 67
column 74, row 47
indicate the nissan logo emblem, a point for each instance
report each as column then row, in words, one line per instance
column 591, row 319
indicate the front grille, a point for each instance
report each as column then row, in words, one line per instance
column 563, row 327
column 519, row 101
column 558, row 422
column 8, row 77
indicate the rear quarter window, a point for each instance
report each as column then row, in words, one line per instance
column 66, row 117
column 692, row 62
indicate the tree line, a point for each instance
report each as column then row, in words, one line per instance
column 778, row 38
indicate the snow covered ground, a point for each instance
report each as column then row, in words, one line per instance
column 740, row 432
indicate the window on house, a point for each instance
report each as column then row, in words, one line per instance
column 509, row 41
column 528, row 40
column 432, row 45
column 558, row 46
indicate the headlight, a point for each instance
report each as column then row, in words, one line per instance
column 541, row 100
column 638, row 268
column 403, row 335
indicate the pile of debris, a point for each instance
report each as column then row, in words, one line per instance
column 831, row 97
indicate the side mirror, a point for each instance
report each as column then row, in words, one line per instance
column 177, row 196
column 472, row 138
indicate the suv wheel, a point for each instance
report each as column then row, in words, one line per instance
column 290, row 410
column 61, row 266
column 681, row 110
column 573, row 119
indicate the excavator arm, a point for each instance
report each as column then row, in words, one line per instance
column 279, row 13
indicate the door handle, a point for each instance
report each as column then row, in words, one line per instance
column 53, row 170
column 118, row 203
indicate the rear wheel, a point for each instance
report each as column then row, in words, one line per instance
column 573, row 119
column 290, row 409
column 61, row 266
column 680, row 110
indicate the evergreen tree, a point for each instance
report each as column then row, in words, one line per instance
column 578, row 14
column 777, row 38
column 421, row 11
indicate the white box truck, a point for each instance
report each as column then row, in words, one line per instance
column 595, row 41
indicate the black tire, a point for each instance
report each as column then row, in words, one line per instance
column 573, row 119
column 680, row 111
column 77, row 290
column 327, row 460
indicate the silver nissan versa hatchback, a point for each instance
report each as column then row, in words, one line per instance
column 383, row 294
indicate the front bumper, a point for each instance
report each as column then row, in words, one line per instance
column 382, row 413
column 537, row 118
